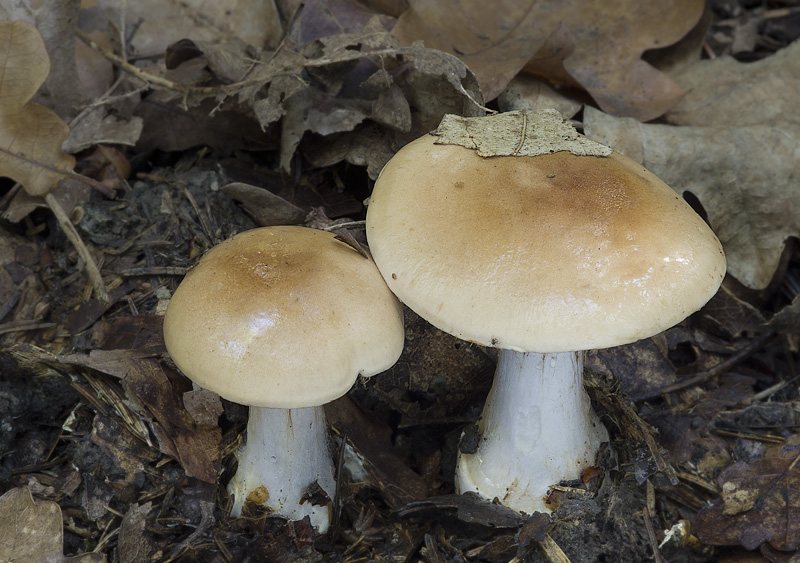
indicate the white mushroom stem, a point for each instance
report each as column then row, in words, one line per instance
column 285, row 452
column 536, row 430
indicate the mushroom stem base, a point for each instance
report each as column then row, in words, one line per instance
column 285, row 453
column 536, row 430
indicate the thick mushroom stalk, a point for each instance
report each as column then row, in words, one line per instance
column 285, row 454
column 537, row 429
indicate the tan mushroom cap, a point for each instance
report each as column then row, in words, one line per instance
column 283, row 317
column 550, row 253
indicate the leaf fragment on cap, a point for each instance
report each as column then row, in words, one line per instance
column 517, row 133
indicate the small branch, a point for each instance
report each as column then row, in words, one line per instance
column 72, row 234
column 153, row 271
column 721, row 367
column 345, row 225
column 647, row 514
column 20, row 326
column 234, row 88
column 155, row 80
column 553, row 551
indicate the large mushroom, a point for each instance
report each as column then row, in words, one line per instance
column 283, row 319
column 515, row 232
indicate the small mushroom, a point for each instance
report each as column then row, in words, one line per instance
column 542, row 257
column 283, row 319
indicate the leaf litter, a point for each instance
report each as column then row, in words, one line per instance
column 216, row 125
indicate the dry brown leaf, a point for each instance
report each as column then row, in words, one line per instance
column 229, row 60
column 732, row 316
column 494, row 39
column 609, row 41
column 161, row 22
column 55, row 21
column 102, row 127
column 107, row 119
column 32, row 532
column 30, row 134
column 788, row 318
column 531, row 93
column 595, row 45
column 760, row 502
column 325, row 18
column 194, row 443
column 169, row 128
column 129, row 454
column 724, row 91
column 95, row 72
column 745, row 177
column 263, row 206
column 331, row 84
column 406, row 90
column 134, row 545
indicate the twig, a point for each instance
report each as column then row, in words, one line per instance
column 768, row 392
column 72, row 234
column 345, row 225
column 721, row 367
column 19, row 326
column 234, row 88
column 552, row 550
column 153, row 271
column 647, row 515
column 203, row 223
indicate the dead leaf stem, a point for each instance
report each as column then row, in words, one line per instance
column 75, row 238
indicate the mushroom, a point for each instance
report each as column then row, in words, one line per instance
column 542, row 255
column 283, row 319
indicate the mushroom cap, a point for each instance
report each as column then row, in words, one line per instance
column 283, row 317
column 549, row 253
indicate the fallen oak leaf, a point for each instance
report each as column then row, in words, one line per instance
column 31, row 531
column 31, row 134
column 597, row 46
column 495, row 41
column 723, row 87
